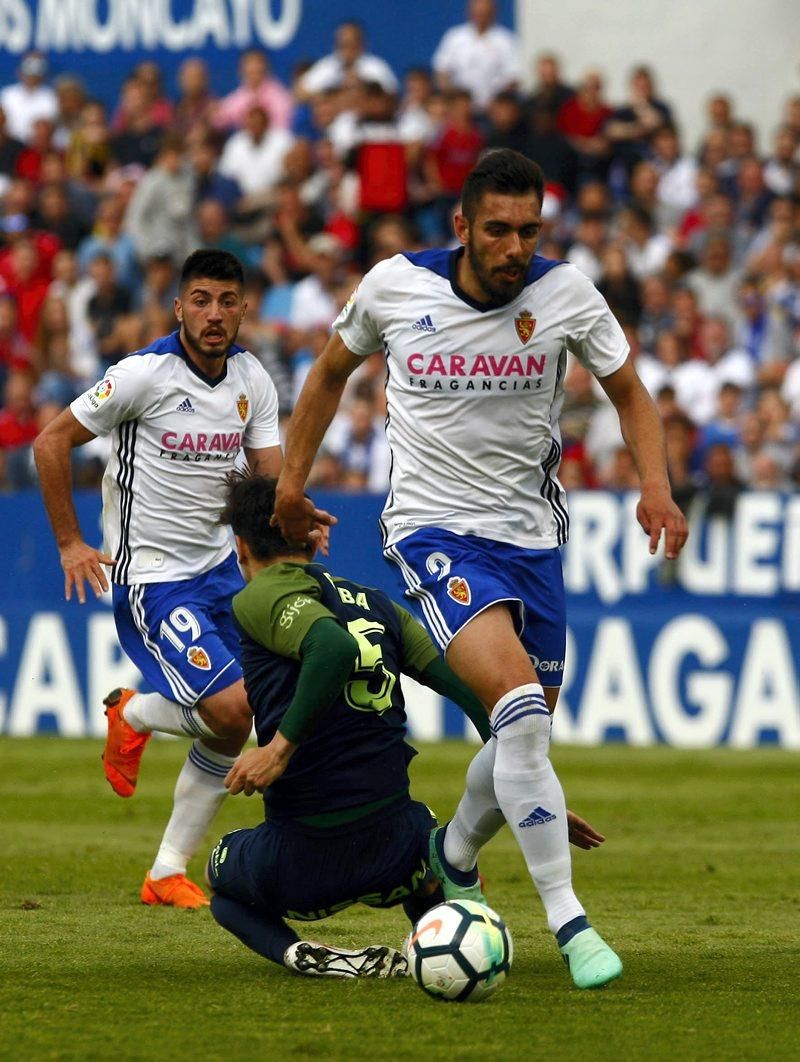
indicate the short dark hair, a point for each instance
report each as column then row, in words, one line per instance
column 504, row 172
column 212, row 264
column 249, row 505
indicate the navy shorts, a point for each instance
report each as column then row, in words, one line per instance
column 182, row 635
column 299, row 872
column 450, row 579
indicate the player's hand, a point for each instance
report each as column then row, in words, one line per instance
column 657, row 512
column 300, row 520
column 581, row 834
column 83, row 563
column 257, row 769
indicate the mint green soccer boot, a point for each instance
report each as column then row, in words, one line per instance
column 589, row 959
column 456, row 884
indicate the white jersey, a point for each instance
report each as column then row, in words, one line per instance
column 175, row 435
column 474, row 394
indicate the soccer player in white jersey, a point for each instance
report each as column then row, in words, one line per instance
column 476, row 342
column 179, row 413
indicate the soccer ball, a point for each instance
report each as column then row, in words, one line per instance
column 460, row 951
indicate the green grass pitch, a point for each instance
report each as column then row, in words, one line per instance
column 697, row 887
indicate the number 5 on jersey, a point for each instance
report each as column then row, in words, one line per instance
column 371, row 688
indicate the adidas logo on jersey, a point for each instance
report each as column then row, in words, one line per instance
column 537, row 817
column 424, row 324
column 185, row 406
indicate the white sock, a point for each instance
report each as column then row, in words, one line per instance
column 477, row 817
column 146, row 712
column 532, row 799
column 198, row 794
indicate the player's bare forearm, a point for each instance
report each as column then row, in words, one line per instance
column 52, row 451
column 644, row 437
column 312, row 416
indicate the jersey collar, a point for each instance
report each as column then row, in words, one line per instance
column 537, row 269
column 212, row 381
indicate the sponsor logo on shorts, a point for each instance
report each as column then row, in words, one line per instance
column 525, row 325
column 458, row 589
column 242, row 406
column 198, row 657
column 547, row 665
column 104, row 390
column 218, row 856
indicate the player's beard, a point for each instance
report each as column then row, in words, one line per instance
column 498, row 288
column 199, row 346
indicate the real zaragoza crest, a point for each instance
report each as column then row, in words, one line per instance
column 524, row 325
column 458, row 589
column 242, row 405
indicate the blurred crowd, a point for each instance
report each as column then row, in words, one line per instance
column 696, row 247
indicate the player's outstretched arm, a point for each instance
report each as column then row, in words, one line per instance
column 644, row 437
column 52, row 451
column 327, row 653
column 314, row 411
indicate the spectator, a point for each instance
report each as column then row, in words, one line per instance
column 71, row 95
column 160, row 109
column 15, row 349
column 630, row 128
column 159, row 289
column 107, row 306
column 18, row 429
column 724, row 425
column 55, row 215
column 194, row 111
column 452, row 155
column 214, row 230
column 715, row 282
column 254, row 156
column 752, row 198
column 40, row 143
column 27, row 284
column 722, row 485
column 618, row 285
column 582, row 120
column 209, row 183
column 587, row 251
column 679, row 435
column 657, row 316
column 10, row 150
column 645, row 248
column 729, row 364
column 347, row 64
column 415, row 123
column 555, row 154
column 677, row 189
column 137, row 136
column 108, row 236
column 782, row 169
column 28, row 99
column 507, row 127
column 550, row 92
column 257, row 88
column 89, row 153
column 478, row 56
column 159, row 215
column 313, row 300
column 357, row 442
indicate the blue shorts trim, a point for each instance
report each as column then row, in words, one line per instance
column 182, row 635
column 450, row 579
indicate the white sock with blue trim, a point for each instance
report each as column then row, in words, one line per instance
column 146, row 712
column 199, row 792
column 532, row 800
column 477, row 817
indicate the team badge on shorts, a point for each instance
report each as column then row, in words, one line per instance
column 242, row 405
column 525, row 325
column 198, row 657
column 459, row 590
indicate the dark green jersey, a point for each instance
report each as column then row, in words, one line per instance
column 357, row 754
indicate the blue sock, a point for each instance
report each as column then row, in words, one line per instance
column 265, row 934
column 571, row 929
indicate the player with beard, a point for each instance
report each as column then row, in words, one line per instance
column 179, row 413
column 476, row 344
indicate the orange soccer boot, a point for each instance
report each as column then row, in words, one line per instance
column 124, row 746
column 175, row 891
